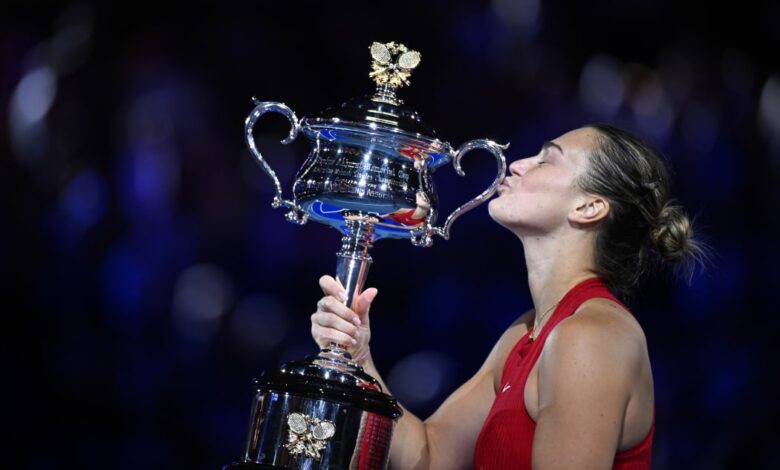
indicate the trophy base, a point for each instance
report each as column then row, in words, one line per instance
column 319, row 413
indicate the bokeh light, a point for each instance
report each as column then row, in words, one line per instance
column 602, row 87
column 260, row 323
column 201, row 296
column 420, row 377
column 150, row 280
column 85, row 199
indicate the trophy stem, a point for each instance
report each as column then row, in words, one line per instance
column 352, row 266
column 385, row 93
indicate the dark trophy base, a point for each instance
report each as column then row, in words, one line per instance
column 319, row 413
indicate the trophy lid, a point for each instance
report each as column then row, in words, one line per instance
column 331, row 377
column 382, row 111
column 374, row 112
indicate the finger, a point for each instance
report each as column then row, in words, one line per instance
column 330, row 304
column 324, row 336
column 330, row 320
column 331, row 286
column 365, row 300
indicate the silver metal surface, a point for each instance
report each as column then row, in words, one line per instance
column 423, row 235
column 296, row 214
column 352, row 267
column 354, row 258
column 372, row 158
column 369, row 175
column 381, row 174
column 360, row 439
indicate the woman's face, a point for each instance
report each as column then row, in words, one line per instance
column 541, row 191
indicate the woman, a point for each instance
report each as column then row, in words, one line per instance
column 569, row 384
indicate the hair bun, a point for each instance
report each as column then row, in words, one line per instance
column 672, row 235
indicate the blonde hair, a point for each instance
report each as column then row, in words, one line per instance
column 643, row 218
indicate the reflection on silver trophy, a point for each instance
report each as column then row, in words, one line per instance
column 369, row 176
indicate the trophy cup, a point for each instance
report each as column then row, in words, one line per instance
column 369, row 176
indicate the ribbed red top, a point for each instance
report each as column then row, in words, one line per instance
column 506, row 439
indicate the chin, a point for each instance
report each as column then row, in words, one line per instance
column 496, row 213
column 508, row 217
column 491, row 208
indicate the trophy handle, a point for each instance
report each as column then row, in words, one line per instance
column 296, row 215
column 423, row 236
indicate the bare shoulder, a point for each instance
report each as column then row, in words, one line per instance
column 601, row 332
column 595, row 378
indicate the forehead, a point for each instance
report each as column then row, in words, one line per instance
column 577, row 144
column 578, row 140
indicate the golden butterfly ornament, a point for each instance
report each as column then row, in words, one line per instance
column 392, row 63
column 308, row 435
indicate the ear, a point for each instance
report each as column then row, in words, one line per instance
column 589, row 210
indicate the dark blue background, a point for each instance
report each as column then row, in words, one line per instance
column 147, row 279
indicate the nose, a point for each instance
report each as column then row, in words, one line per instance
column 520, row 166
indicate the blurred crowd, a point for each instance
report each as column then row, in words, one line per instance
column 147, row 279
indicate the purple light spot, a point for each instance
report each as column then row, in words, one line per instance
column 85, row 199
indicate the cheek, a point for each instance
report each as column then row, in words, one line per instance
column 528, row 208
column 543, row 183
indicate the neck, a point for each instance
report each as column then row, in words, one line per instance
column 556, row 262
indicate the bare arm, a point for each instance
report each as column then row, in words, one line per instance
column 587, row 372
column 445, row 440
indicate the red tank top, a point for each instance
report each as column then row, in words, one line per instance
column 507, row 435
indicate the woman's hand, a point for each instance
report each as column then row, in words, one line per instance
column 334, row 322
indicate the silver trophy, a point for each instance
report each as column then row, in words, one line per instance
column 369, row 176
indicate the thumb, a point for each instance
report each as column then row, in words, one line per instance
column 364, row 302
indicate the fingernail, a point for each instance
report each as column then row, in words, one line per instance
column 343, row 296
column 356, row 321
column 354, row 341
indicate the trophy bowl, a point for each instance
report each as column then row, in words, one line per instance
column 369, row 175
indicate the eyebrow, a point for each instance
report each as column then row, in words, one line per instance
column 549, row 144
